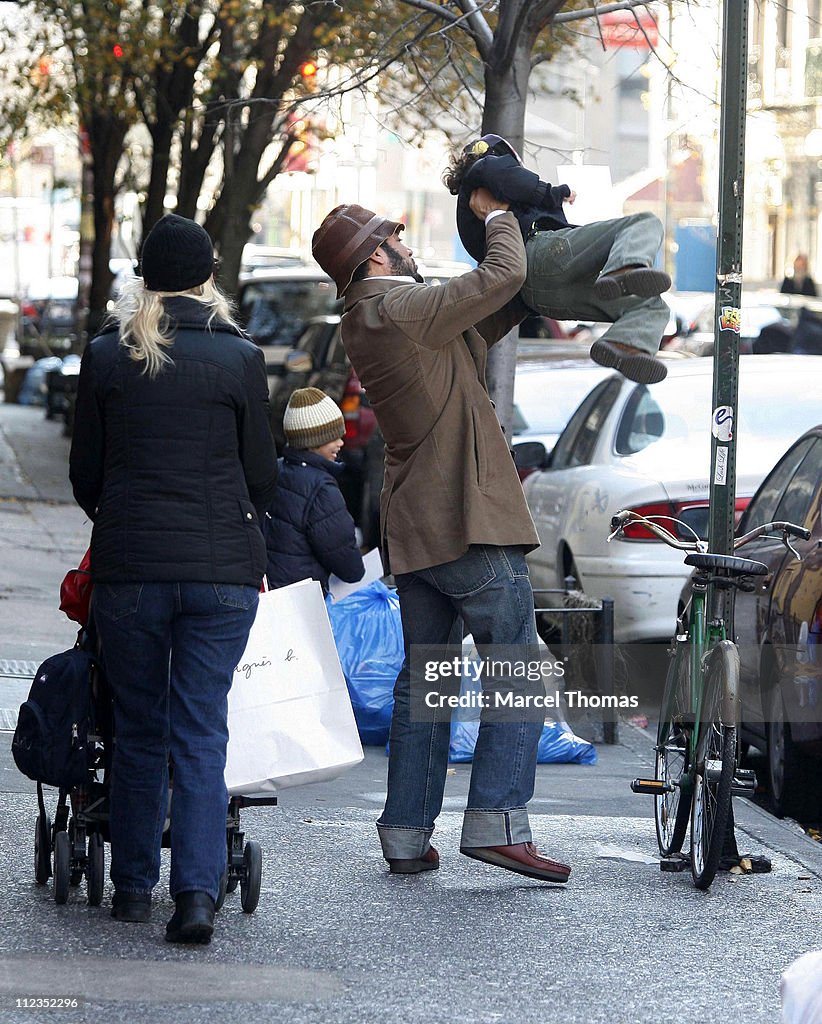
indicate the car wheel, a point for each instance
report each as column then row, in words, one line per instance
column 795, row 788
column 570, row 572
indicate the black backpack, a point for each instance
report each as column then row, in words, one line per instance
column 50, row 743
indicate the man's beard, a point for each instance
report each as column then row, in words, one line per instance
column 403, row 266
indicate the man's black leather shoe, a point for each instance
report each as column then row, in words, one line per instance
column 131, row 906
column 429, row 861
column 193, row 920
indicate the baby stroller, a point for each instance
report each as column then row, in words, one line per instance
column 73, row 845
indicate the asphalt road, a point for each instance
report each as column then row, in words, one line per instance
column 337, row 940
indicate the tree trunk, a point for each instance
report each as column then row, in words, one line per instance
column 101, row 275
column 106, row 137
column 506, row 93
column 194, row 160
column 161, row 139
column 229, row 222
column 234, row 232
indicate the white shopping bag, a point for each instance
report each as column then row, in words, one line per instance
column 373, row 571
column 801, row 989
column 289, row 714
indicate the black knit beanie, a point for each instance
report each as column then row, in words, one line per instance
column 177, row 255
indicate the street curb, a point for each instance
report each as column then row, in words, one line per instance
column 784, row 836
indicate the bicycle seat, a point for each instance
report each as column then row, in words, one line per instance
column 729, row 563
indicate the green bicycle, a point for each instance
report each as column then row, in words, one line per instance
column 697, row 771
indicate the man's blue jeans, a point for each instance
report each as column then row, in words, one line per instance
column 169, row 651
column 488, row 587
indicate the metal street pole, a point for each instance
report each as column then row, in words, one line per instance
column 728, row 275
column 728, row 299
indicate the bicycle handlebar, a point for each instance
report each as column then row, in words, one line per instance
column 789, row 529
column 626, row 516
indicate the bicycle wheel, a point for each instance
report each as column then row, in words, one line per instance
column 671, row 810
column 715, row 762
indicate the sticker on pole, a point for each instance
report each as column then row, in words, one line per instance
column 722, row 425
column 721, row 470
column 730, row 319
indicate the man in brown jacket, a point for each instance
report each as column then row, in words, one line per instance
column 453, row 519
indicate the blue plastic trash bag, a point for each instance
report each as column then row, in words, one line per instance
column 368, row 633
column 557, row 744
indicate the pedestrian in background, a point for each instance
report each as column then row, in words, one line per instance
column 174, row 462
column 453, row 519
column 309, row 533
column 801, row 283
column 602, row 271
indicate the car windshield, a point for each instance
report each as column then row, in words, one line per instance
column 274, row 312
column 773, row 408
column 544, row 399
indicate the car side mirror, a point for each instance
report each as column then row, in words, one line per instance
column 299, row 362
column 531, row 456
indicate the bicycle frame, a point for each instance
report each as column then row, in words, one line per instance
column 706, row 628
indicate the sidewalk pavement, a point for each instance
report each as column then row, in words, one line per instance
column 43, row 533
column 337, row 940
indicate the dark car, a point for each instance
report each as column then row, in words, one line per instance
column 47, row 317
column 778, row 628
column 274, row 305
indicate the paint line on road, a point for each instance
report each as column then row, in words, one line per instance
column 110, row 979
column 8, row 719
column 15, row 669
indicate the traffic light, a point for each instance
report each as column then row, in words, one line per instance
column 118, row 51
column 308, row 74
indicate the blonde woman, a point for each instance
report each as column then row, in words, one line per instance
column 172, row 458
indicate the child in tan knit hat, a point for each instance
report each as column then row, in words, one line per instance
column 309, row 531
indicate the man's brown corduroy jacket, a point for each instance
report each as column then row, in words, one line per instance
column 450, row 480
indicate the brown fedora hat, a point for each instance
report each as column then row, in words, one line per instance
column 346, row 238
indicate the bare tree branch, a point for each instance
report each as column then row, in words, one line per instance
column 535, row 15
column 594, row 12
column 471, row 20
column 478, row 27
column 434, row 8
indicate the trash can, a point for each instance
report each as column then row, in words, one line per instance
column 14, row 373
column 14, row 366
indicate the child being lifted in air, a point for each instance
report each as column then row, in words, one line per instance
column 601, row 271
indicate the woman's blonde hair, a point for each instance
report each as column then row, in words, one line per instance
column 145, row 326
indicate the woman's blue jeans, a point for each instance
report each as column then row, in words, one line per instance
column 488, row 587
column 169, row 651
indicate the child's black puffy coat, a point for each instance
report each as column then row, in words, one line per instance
column 309, row 532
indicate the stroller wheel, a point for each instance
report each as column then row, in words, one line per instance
column 252, row 876
column 231, row 884
column 62, row 866
column 42, row 849
column 95, row 869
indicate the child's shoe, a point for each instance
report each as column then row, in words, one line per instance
column 642, row 281
column 631, row 362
